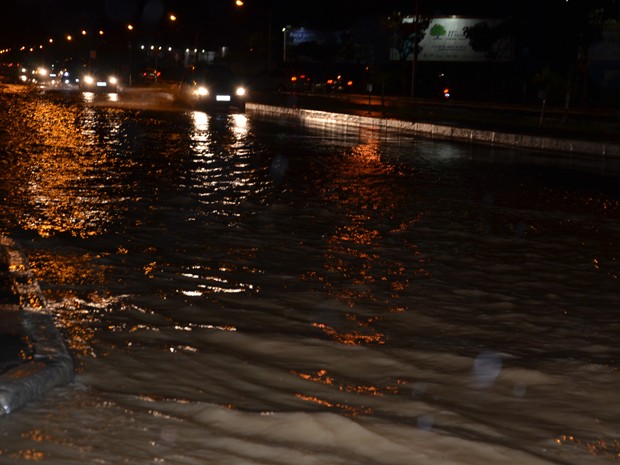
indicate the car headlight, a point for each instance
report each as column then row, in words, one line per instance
column 89, row 79
column 202, row 91
column 240, row 92
column 112, row 80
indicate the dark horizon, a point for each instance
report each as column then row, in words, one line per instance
column 37, row 20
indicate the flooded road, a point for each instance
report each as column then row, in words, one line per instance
column 243, row 291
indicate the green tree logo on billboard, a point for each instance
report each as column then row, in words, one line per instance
column 437, row 31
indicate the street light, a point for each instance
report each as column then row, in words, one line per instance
column 130, row 54
column 240, row 3
column 414, row 61
column 285, row 30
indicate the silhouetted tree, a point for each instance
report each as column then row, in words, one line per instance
column 402, row 38
column 586, row 22
column 496, row 42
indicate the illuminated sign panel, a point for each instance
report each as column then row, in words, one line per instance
column 445, row 40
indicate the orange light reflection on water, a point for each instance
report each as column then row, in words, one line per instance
column 77, row 318
column 322, row 377
column 348, row 409
column 606, row 447
column 57, row 175
column 351, row 337
column 357, row 268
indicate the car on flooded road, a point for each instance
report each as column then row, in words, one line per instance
column 99, row 80
column 212, row 87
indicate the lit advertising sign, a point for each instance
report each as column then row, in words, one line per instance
column 445, row 40
column 301, row 35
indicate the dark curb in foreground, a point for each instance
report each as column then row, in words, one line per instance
column 50, row 364
column 438, row 131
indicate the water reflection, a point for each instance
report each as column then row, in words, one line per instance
column 89, row 97
column 357, row 262
column 344, row 408
column 222, row 174
column 604, row 447
column 79, row 318
column 198, row 238
column 323, row 377
column 59, row 172
column 352, row 337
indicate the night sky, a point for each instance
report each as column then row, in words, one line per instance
column 32, row 20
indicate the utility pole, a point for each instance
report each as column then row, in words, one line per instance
column 269, row 38
column 414, row 61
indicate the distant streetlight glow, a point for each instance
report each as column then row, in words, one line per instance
column 173, row 17
column 240, row 3
column 69, row 38
column 130, row 27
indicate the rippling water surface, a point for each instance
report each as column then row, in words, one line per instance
column 243, row 291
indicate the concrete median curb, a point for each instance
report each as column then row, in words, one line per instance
column 51, row 364
column 438, row 131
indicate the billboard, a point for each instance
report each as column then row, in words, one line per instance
column 297, row 36
column 445, row 40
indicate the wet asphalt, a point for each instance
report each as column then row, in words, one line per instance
column 18, row 344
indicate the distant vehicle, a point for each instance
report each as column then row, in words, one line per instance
column 67, row 75
column 335, row 83
column 150, row 75
column 282, row 80
column 439, row 87
column 99, row 80
column 316, row 78
column 213, row 87
column 42, row 76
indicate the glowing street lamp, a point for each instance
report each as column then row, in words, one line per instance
column 240, row 3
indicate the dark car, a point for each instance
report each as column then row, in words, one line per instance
column 213, row 87
column 98, row 80
column 150, row 75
